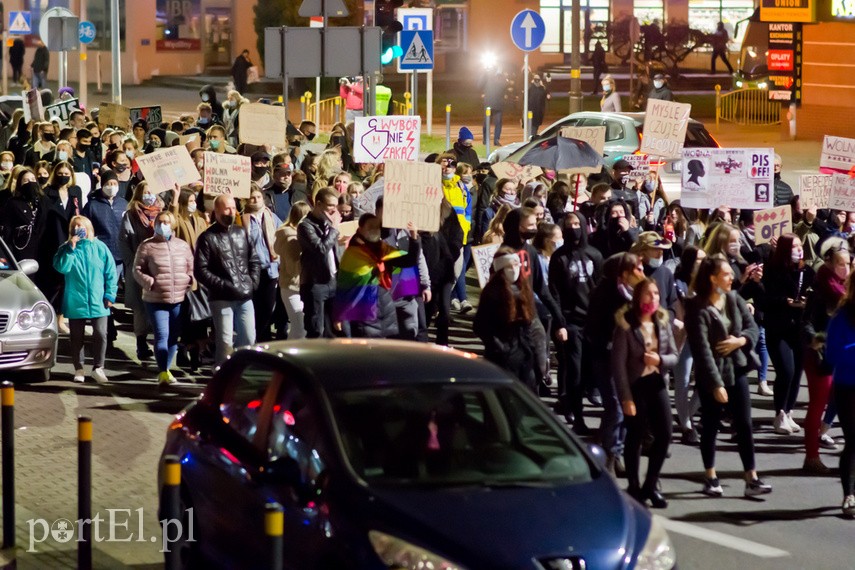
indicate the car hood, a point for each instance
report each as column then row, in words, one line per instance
column 17, row 291
column 510, row 527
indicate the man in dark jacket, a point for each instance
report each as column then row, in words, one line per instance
column 318, row 236
column 16, row 59
column 463, row 150
column 494, row 87
column 41, row 61
column 208, row 94
column 651, row 248
column 228, row 267
column 660, row 89
column 537, row 98
column 783, row 191
column 239, row 68
column 574, row 270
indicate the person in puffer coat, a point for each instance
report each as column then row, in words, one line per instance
column 91, row 283
column 163, row 267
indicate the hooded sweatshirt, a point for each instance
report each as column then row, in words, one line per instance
column 216, row 106
column 574, row 270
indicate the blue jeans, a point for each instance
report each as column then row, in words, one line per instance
column 165, row 321
column 763, row 353
column 612, row 429
column 39, row 79
column 686, row 407
column 234, row 325
column 460, row 285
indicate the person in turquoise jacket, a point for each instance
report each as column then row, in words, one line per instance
column 91, row 283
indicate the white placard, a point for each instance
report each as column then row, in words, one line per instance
column 772, row 223
column 378, row 139
column 482, row 257
column 842, row 193
column 665, row 124
column 732, row 177
column 412, row 193
column 838, row 153
column 814, row 190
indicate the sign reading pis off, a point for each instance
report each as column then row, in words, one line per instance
column 772, row 223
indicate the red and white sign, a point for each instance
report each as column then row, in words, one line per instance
column 780, row 60
column 190, row 44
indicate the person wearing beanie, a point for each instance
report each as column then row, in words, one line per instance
column 463, row 150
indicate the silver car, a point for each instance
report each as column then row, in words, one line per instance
column 28, row 333
column 623, row 136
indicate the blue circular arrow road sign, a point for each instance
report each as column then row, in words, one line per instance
column 528, row 30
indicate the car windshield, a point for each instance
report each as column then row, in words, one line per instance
column 454, row 434
column 7, row 262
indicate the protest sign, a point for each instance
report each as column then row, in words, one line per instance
column 365, row 203
column 640, row 166
column 732, row 177
column 594, row 136
column 665, row 124
column 62, row 110
column 262, row 124
column 378, row 139
column 227, row 174
column 348, row 229
column 113, row 115
column 84, row 182
column 165, row 168
column 191, row 142
column 842, row 193
column 814, row 190
column 772, row 223
column 33, row 110
column 838, row 154
column 482, row 256
column 151, row 115
column 517, row 173
column 412, row 193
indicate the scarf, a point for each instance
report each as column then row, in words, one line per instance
column 268, row 230
column 147, row 214
column 830, row 286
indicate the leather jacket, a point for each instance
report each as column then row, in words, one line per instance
column 226, row 264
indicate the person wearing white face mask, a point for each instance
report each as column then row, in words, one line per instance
column 660, row 89
column 7, row 161
column 505, row 314
column 651, row 249
column 610, row 103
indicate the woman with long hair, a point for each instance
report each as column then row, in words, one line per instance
column 288, row 249
column 495, row 231
column 643, row 351
column 722, row 335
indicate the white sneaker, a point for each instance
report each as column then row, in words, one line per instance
column 849, row 506
column 98, row 375
column 79, row 376
column 455, row 304
column 763, row 389
column 827, row 442
column 793, row 425
column 465, row 306
column 781, row 425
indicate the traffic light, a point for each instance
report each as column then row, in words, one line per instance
column 384, row 17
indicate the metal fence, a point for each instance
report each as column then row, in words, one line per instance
column 331, row 112
column 746, row 107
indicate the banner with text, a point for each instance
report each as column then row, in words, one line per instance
column 594, row 136
column 262, row 124
column 772, row 223
column 227, row 174
column 517, row 173
column 482, row 257
column 113, row 115
column 814, row 190
column 732, row 177
column 640, row 166
column 62, row 110
column 838, row 155
column 152, row 116
column 412, row 193
column 165, row 168
column 665, row 124
column 33, row 110
column 378, row 139
column 842, row 193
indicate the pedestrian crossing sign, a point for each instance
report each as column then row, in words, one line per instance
column 20, row 23
column 418, row 50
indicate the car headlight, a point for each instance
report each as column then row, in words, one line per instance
column 658, row 552
column 400, row 554
column 39, row 317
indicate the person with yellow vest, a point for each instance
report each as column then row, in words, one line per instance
column 457, row 188
column 382, row 98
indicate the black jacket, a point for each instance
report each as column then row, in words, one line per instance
column 465, row 154
column 41, row 59
column 226, row 263
column 574, row 271
column 666, row 283
column 441, row 250
column 663, row 93
column 780, row 284
column 783, row 192
column 606, row 301
column 316, row 238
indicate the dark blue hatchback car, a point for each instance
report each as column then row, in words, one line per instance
column 395, row 455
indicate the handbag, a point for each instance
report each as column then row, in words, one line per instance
column 198, row 307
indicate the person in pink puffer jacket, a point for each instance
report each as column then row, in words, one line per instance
column 164, row 269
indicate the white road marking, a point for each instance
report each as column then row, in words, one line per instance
column 722, row 539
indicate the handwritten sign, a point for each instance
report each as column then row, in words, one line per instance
column 665, row 124
column 191, row 142
column 165, row 168
column 366, row 202
column 517, row 173
column 772, row 223
column 33, row 110
column 640, row 166
column 262, row 124
column 412, row 193
column 842, row 193
column 482, row 256
column 62, row 110
column 594, row 136
column 378, row 139
column 113, row 115
column 152, row 116
column 732, row 177
column 227, row 174
column 814, row 190
column 838, row 154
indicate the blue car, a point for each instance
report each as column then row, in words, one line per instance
column 395, row 455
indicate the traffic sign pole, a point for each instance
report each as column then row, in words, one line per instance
column 528, row 31
column 83, row 91
column 525, row 97
column 116, row 51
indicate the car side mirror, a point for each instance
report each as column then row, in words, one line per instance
column 598, row 453
column 28, row 266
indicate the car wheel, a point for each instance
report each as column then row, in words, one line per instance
column 189, row 554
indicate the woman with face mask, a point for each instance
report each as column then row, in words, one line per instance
column 261, row 223
column 156, row 141
column 24, row 217
column 163, row 268
column 138, row 225
column 369, row 280
column 610, row 103
column 722, row 336
column 643, row 351
column 506, row 193
column 118, row 162
column 505, row 313
column 91, row 284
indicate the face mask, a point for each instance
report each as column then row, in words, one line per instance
column 574, row 235
column 648, row 308
column 466, row 179
column 512, row 273
column 257, row 171
column 206, row 97
column 43, row 180
column 649, row 186
column 163, row 230
column 467, row 144
column 733, row 249
column 111, row 190
column 607, row 87
column 155, row 143
column 80, row 232
column 6, row 165
column 549, row 175
column 215, row 145
column 227, row 220
column 204, row 121
column 841, row 272
column 148, row 199
column 655, row 262
column 446, row 176
column 657, row 83
column 62, row 156
column 191, row 207
column 29, row 190
column 120, row 168
column 49, row 137
column 310, row 136
column 559, row 243
column 797, row 255
column 130, row 154
column 62, row 180
column 528, row 234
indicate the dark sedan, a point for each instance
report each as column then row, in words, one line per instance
column 395, row 455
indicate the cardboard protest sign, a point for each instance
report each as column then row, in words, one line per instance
column 62, row 110
column 665, row 124
column 191, row 142
column 640, row 166
column 838, row 154
column 594, row 136
column 517, row 173
column 165, row 168
column 842, row 193
column 152, row 116
column 112, row 115
column 365, row 203
column 732, row 177
column 814, row 190
column 227, row 174
column 482, row 257
column 262, row 124
column 33, row 110
column 348, row 229
column 412, row 193
column 771, row 223
column 378, row 139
